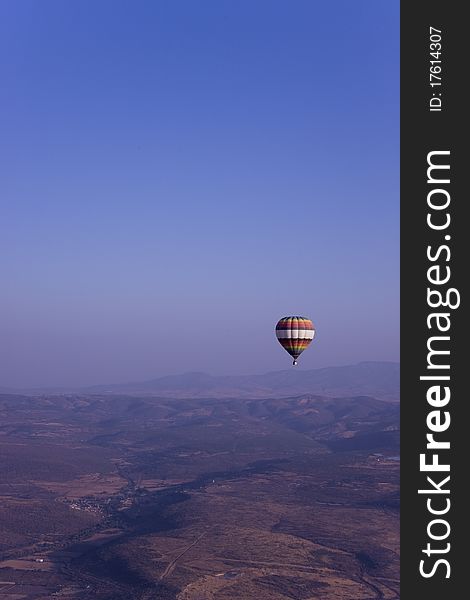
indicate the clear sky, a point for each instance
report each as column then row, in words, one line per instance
column 178, row 175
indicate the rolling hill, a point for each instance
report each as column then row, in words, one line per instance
column 378, row 379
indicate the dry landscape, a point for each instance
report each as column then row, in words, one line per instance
column 117, row 497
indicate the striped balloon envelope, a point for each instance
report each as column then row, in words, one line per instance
column 295, row 334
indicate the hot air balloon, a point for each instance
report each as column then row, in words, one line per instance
column 294, row 335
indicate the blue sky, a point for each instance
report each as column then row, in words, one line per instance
column 179, row 175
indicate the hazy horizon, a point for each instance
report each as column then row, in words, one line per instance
column 177, row 177
column 185, row 373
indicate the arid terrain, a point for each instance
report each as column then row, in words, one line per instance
column 119, row 497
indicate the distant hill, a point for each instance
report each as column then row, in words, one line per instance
column 378, row 379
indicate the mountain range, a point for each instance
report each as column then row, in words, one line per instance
column 378, row 379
